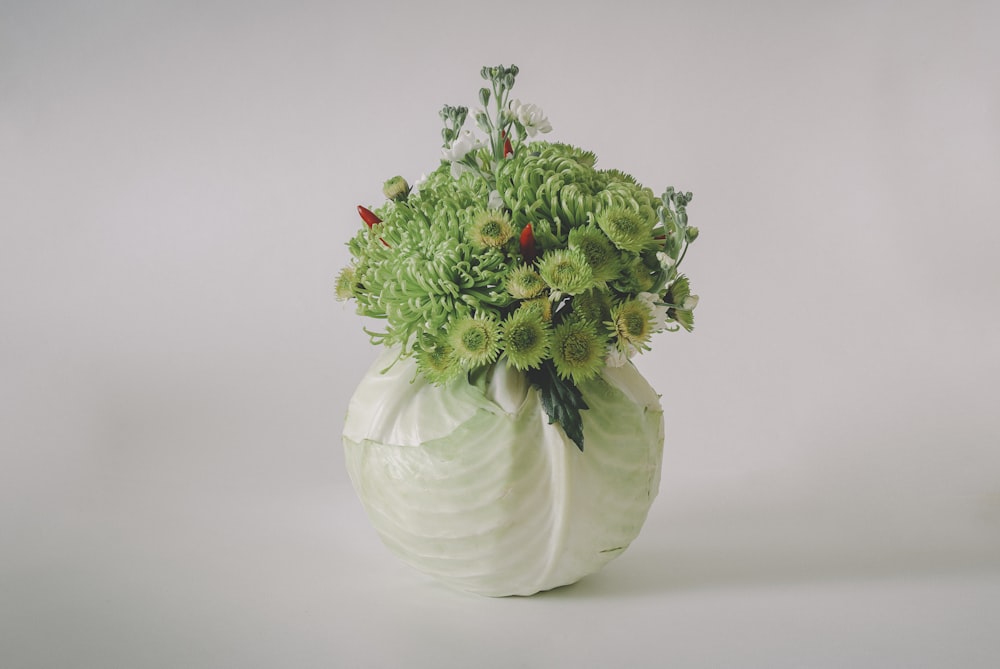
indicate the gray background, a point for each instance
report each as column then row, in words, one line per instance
column 177, row 181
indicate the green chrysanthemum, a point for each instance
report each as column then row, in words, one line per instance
column 578, row 350
column 636, row 277
column 541, row 307
column 685, row 317
column 594, row 305
column 604, row 259
column 678, row 292
column 632, row 322
column 567, row 271
column 626, row 228
column 617, row 176
column 679, row 295
column 416, row 268
column 345, row 283
column 476, row 339
column 491, row 229
column 524, row 283
column 436, row 359
column 554, row 182
column 525, row 339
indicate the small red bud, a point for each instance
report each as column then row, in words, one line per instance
column 368, row 216
column 508, row 150
column 528, row 243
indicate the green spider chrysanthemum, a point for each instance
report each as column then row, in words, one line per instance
column 632, row 322
column 524, row 283
column 626, row 228
column 604, row 259
column 417, row 270
column 476, row 339
column 578, row 350
column 525, row 339
column 436, row 359
column 491, row 229
column 566, row 271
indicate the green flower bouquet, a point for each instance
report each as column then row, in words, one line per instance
column 513, row 284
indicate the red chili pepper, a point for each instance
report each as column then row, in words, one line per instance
column 368, row 216
column 371, row 219
column 528, row 243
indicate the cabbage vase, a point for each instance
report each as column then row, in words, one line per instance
column 470, row 484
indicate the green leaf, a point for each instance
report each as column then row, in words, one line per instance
column 561, row 399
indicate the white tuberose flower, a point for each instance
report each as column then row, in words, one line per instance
column 463, row 144
column 531, row 117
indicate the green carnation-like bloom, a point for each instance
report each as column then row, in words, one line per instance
column 541, row 307
column 524, row 283
column 476, row 339
column 679, row 295
column 626, row 228
column 637, row 277
column 604, row 259
column 685, row 317
column 594, row 305
column 436, row 359
column 567, row 271
column 632, row 322
column 678, row 292
column 491, row 229
column 578, row 350
column 525, row 339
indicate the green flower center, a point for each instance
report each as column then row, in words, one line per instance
column 522, row 337
column 577, row 348
column 474, row 340
column 635, row 324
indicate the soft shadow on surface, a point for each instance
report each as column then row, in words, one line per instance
column 654, row 571
column 777, row 537
column 894, row 505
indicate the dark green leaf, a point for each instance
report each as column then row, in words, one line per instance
column 561, row 399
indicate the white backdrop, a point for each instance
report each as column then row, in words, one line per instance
column 177, row 181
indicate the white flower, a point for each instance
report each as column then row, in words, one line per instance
column 658, row 311
column 690, row 302
column 496, row 202
column 463, row 144
column 666, row 262
column 417, row 184
column 531, row 117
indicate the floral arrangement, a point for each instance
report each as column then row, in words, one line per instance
column 520, row 252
